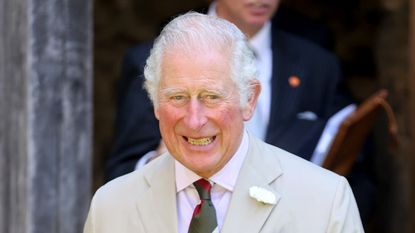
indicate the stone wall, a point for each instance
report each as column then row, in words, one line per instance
column 46, row 115
column 13, row 126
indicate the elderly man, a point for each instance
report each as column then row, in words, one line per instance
column 215, row 177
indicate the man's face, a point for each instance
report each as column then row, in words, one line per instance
column 199, row 112
column 247, row 13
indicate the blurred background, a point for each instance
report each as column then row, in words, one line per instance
column 59, row 70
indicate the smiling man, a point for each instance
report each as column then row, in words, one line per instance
column 216, row 177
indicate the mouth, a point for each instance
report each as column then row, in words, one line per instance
column 200, row 141
column 257, row 4
column 258, row 7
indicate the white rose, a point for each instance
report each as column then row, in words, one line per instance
column 262, row 195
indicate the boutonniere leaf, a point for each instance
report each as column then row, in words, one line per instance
column 262, row 195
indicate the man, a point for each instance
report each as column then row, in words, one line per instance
column 299, row 86
column 215, row 177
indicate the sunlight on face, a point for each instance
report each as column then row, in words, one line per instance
column 199, row 112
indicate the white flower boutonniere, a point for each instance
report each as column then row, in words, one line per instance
column 262, row 195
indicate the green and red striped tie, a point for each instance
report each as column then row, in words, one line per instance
column 204, row 215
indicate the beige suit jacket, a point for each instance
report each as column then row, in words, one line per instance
column 309, row 198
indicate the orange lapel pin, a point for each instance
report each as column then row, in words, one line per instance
column 294, row 81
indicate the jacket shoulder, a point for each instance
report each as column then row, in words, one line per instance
column 296, row 170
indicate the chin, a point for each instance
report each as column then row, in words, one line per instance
column 258, row 21
column 259, row 18
column 204, row 166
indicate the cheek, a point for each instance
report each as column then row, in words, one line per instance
column 229, row 117
column 168, row 115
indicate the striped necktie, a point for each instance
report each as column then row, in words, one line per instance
column 204, row 215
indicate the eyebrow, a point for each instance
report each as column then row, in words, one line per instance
column 171, row 90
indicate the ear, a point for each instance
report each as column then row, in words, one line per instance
column 156, row 112
column 249, row 108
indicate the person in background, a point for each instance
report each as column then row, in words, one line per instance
column 216, row 176
column 300, row 92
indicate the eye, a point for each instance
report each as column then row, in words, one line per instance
column 177, row 97
column 211, row 98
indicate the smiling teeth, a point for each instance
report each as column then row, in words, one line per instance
column 200, row 141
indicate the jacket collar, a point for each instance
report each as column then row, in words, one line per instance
column 261, row 169
column 157, row 205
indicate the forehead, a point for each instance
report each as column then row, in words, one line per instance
column 195, row 67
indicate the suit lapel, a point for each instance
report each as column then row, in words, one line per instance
column 244, row 213
column 157, row 205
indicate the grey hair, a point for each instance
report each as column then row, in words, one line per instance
column 198, row 31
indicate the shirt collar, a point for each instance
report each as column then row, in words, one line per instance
column 261, row 41
column 226, row 177
column 212, row 9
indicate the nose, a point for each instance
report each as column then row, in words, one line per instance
column 195, row 118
